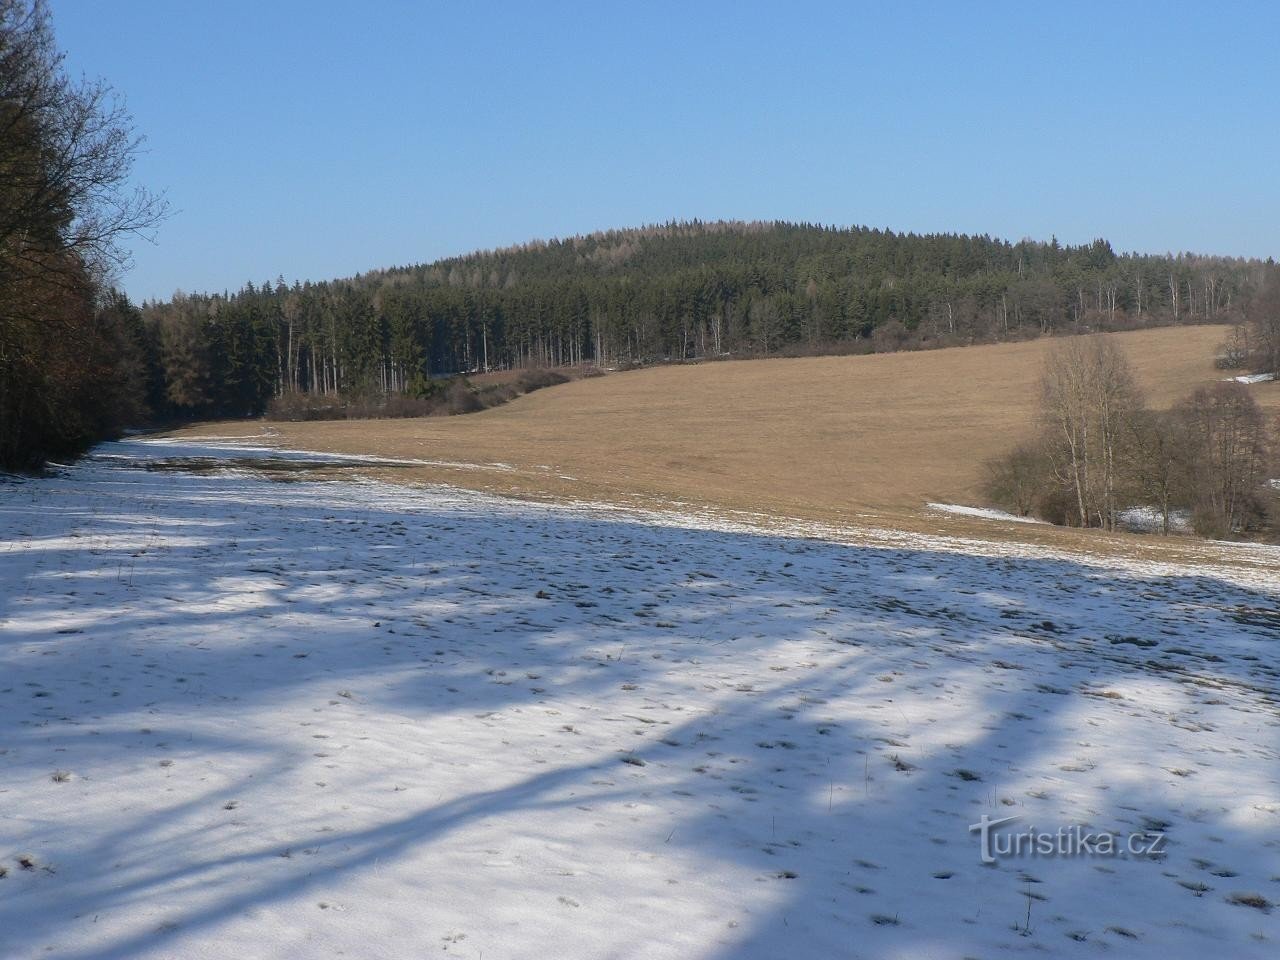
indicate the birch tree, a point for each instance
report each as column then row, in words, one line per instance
column 1088, row 399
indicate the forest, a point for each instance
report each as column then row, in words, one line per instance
column 670, row 293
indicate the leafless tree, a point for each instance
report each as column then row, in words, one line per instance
column 66, row 206
column 1227, row 431
column 765, row 321
column 1236, row 351
column 1089, row 397
column 1018, row 480
column 1265, row 326
column 66, row 152
column 1158, row 464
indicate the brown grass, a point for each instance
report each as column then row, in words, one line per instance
column 852, row 438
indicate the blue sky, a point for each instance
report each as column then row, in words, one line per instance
column 316, row 139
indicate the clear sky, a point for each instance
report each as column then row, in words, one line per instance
column 316, row 139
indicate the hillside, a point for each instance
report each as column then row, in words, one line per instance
column 681, row 291
column 826, row 438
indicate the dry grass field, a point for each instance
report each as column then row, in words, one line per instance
column 842, row 439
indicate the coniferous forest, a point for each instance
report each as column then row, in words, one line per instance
column 670, row 293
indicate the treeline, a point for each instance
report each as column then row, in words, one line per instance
column 73, row 354
column 683, row 291
column 1103, row 459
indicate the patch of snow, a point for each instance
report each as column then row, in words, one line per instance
column 161, row 449
column 252, row 719
column 1253, row 378
column 1266, row 550
column 985, row 513
column 1151, row 520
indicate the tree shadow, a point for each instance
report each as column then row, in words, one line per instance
column 817, row 725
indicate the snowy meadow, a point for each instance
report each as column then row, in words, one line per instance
column 268, row 716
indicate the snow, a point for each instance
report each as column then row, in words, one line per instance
column 252, row 718
column 984, row 513
column 1254, row 378
column 215, row 450
column 1147, row 519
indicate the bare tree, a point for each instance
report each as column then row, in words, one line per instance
column 765, row 321
column 1064, row 403
column 1017, row 481
column 1089, row 397
column 1236, row 351
column 66, row 150
column 1264, row 345
column 1158, row 464
column 1228, row 433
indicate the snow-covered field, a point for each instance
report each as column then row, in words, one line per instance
column 244, row 718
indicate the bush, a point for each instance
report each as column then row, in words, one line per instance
column 1018, row 481
column 890, row 337
column 531, row 380
column 310, row 406
column 460, row 398
column 1055, row 504
column 305, row 406
column 496, row 394
column 401, row 405
column 426, row 398
column 1209, row 523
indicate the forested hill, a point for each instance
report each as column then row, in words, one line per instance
column 677, row 291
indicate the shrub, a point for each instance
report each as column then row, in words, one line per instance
column 308, row 406
column 425, row 398
column 495, row 395
column 1018, row 481
column 305, row 406
column 460, row 398
column 890, row 337
column 531, row 380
